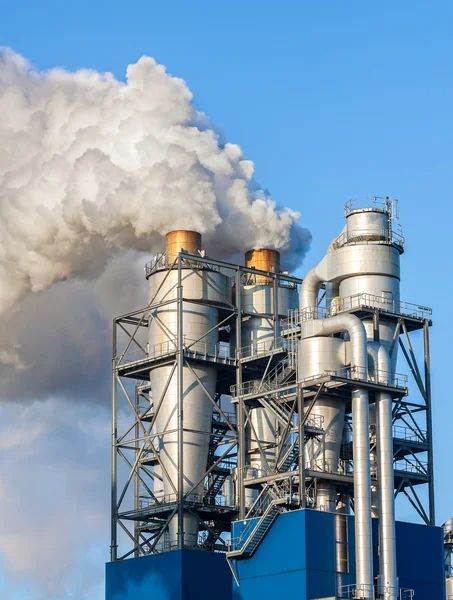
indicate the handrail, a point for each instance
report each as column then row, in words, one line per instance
column 160, row 262
column 191, row 347
column 360, row 300
column 418, row 467
column 239, row 545
column 355, row 373
column 406, row 433
column 372, row 235
column 368, row 591
column 265, row 346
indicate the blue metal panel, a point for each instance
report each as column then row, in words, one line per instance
column 291, row 584
column 420, row 560
column 298, row 553
column 320, row 544
column 179, row 575
column 158, row 577
column 206, row 576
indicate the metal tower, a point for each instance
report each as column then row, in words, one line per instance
column 230, row 401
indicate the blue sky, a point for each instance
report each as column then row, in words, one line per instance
column 331, row 100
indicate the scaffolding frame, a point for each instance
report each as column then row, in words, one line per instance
column 267, row 378
column 134, row 445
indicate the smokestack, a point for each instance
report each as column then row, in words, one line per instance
column 264, row 260
column 181, row 239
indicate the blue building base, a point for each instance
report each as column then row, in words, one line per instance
column 178, row 575
column 298, row 553
column 295, row 559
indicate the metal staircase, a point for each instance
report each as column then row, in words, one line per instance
column 255, row 531
column 214, row 489
column 289, row 459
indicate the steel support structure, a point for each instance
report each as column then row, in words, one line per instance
column 268, row 379
column 139, row 516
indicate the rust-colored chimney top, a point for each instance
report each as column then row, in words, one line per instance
column 263, row 260
column 190, row 241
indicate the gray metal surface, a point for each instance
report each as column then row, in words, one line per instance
column 387, row 580
column 361, row 444
column 262, row 332
column 198, row 327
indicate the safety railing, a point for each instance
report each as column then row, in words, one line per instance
column 315, row 422
column 226, row 465
column 369, row 591
column 322, row 466
column 262, row 508
column 371, row 235
column 408, row 434
column 380, row 202
column 256, row 387
column 364, row 300
column 361, row 374
column 156, row 351
column 166, row 499
column 191, row 347
column 160, row 262
column 356, row 591
column 357, row 301
column 416, row 467
column 261, row 347
column 191, row 540
column 217, row 417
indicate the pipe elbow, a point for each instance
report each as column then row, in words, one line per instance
column 311, row 285
column 381, row 361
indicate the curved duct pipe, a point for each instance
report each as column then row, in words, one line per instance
column 388, row 579
column 311, row 285
column 360, row 423
column 315, row 277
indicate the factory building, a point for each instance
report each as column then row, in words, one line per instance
column 261, row 431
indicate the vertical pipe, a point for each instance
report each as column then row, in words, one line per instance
column 240, row 406
column 180, row 383
column 429, row 422
column 362, row 493
column 114, row 490
column 388, row 578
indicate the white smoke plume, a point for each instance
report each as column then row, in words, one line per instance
column 90, row 165
column 93, row 173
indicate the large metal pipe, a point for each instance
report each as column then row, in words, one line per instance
column 388, row 579
column 187, row 390
column 361, row 441
column 271, row 302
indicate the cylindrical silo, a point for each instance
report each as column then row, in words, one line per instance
column 362, row 267
column 318, row 355
column 269, row 300
column 199, row 334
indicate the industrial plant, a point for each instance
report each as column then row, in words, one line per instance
column 262, row 431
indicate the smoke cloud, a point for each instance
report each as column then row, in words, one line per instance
column 93, row 173
column 90, row 165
